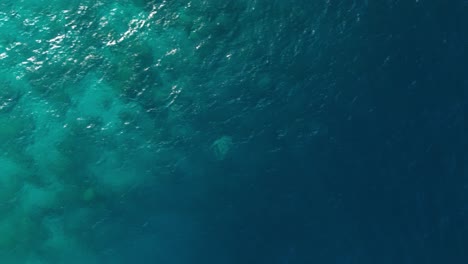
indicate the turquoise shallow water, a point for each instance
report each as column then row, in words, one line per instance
column 231, row 132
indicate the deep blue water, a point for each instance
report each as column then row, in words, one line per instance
column 208, row 131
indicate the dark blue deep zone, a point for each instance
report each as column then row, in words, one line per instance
column 347, row 124
column 370, row 166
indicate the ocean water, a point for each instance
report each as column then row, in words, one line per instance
column 208, row 131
